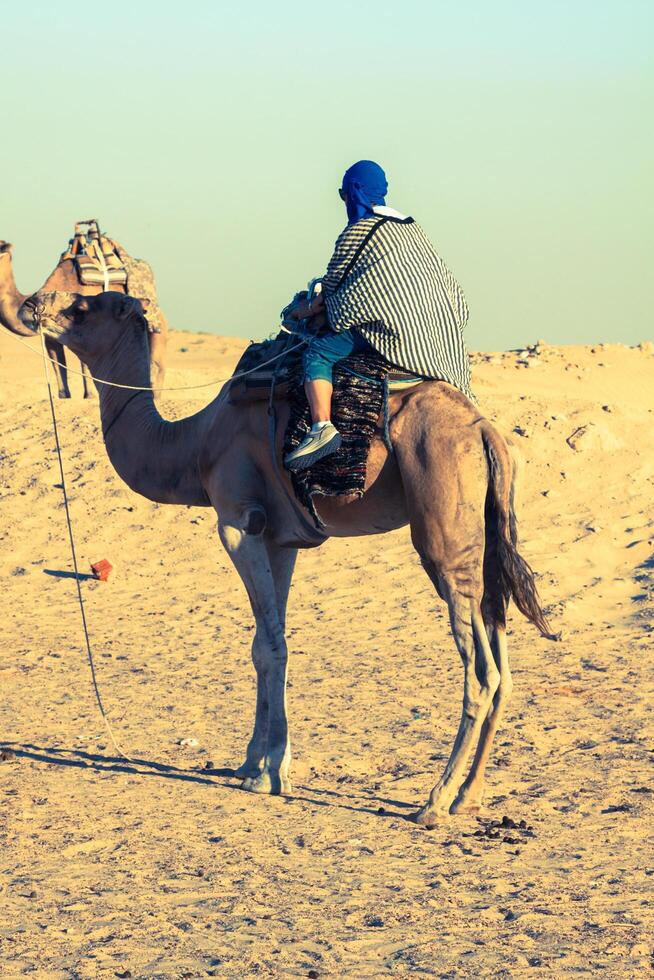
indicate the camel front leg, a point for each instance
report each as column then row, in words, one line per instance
column 58, row 358
column 471, row 794
column 256, row 751
column 481, row 680
column 282, row 563
column 269, row 751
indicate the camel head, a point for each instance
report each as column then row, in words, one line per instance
column 91, row 326
column 10, row 298
column 6, row 265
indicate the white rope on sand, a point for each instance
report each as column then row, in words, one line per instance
column 43, row 354
column 71, row 538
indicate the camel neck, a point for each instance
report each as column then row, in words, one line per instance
column 11, row 301
column 157, row 458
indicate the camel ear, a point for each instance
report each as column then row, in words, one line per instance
column 124, row 308
column 145, row 303
column 6, row 247
column 82, row 305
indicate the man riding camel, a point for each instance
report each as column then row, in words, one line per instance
column 385, row 288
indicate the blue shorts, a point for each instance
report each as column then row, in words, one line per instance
column 323, row 352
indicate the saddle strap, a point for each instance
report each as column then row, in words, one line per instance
column 355, row 258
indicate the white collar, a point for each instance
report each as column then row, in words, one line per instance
column 385, row 212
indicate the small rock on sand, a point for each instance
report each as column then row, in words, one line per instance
column 592, row 436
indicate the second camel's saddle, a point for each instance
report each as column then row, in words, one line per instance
column 96, row 257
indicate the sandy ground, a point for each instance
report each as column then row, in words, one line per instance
column 162, row 867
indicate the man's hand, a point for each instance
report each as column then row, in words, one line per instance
column 317, row 305
column 304, row 309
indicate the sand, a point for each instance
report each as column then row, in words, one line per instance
column 162, row 867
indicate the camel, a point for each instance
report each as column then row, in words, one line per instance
column 64, row 278
column 449, row 477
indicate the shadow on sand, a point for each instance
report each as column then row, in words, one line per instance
column 55, row 573
column 78, row 759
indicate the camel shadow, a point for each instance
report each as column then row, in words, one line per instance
column 55, row 573
column 644, row 577
column 79, row 759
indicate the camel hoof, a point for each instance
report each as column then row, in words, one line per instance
column 461, row 805
column 428, row 818
column 247, row 771
column 272, row 784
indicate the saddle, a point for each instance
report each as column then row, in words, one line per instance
column 272, row 370
column 277, row 360
column 96, row 257
column 268, row 368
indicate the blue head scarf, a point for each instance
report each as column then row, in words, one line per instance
column 365, row 184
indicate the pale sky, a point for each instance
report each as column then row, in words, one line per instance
column 210, row 138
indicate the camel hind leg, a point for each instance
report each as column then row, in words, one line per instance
column 87, row 384
column 58, row 360
column 445, row 474
column 494, row 606
column 481, row 681
column 470, row 796
column 452, row 553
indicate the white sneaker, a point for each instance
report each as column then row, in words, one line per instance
column 317, row 444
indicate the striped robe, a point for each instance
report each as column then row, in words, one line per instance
column 386, row 280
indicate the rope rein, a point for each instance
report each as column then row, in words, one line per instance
column 71, row 538
column 206, row 384
column 43, row 354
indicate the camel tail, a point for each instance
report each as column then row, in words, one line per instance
column 506, row 573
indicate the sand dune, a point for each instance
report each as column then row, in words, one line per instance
column 161, row 867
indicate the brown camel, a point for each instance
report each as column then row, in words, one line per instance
column 64, row 278
column 450, row 478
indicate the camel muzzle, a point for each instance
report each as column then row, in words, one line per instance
column 33, row 315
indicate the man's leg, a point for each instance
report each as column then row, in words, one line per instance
column 319, row 359
column 319, row 395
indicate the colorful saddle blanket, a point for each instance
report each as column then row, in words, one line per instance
column 358, row 408
column 361, row 386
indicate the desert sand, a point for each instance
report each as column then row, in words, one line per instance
column 163, row 867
